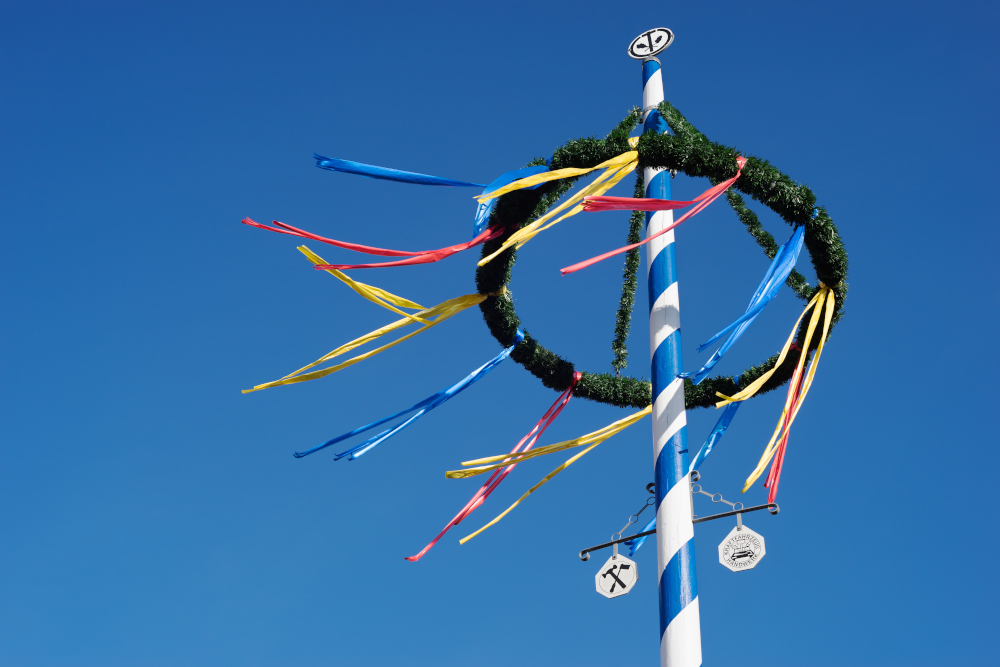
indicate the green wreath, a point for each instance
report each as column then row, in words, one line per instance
column 685, row 151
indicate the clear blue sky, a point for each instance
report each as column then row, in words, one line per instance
column 150, row 514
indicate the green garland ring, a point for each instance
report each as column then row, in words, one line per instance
column 685, row 151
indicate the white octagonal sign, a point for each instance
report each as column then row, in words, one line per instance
column 741, row 550
column 617, row 577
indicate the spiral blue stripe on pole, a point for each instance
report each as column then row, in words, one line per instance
column 680, row 627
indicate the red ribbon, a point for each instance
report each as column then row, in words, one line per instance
column 774, row 475
column 419, row 257
column 499, row 474
column 591, row 204
column 282, row 228
column 425, row 257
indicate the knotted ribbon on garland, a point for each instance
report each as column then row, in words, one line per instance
column 421, row 408
column 498, row 475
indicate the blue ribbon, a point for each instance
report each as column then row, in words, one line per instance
column 777, row 272
column 635, row 544
column 485, row 208
column 706, row 449
column 372, row 171
column 716, row 434
column 422, row 408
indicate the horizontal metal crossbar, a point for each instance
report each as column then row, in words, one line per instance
column 770, row 507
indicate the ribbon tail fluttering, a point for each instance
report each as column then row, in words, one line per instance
column 597, row 441
column 425, row 257
column 498, row 475
column 597, row 436
column 778, row 271
column 440, row 313
column 376, row 295
column 410, row 258
column 823, row 303
column 419, row 409
column 386, row 174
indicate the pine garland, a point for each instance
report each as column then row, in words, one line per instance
column 686, row 151
column 795, row 281
column 623, row 320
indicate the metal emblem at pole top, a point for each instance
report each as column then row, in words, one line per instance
column 651, row 42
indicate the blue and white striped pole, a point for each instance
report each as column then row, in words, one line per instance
column 680, row 626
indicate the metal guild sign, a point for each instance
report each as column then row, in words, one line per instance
column 741, row 550
column 616, row 577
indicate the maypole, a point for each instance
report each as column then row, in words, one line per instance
column 680, row 626
column 522, row 203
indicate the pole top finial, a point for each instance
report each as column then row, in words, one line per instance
column 650, row 43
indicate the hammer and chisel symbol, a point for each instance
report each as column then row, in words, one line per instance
column 614, row 576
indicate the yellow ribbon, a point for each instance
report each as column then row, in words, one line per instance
column 441, row 312
column 824, row 301
column 568, row 463
column 615, row 170
column 546, row 176
column 597, row 437
column 755, row 386
column 373, row 294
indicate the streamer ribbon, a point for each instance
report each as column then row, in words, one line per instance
column 498, row 476
column 824, row 301
column 715, row 436
column 771, row 483
column 592, row 204
column 782, row 265
column 384, row 173
column 425, row 257
column 823, row 293
column 419, row 409
column 419, row 257
column 713, row 439
column 439, row 313
column 558, row 174
column 615, row 170
column 597, row 437
column 548, row 477
column 374, row 294
column 485, row 207
column 634, row 418
column 638, row 542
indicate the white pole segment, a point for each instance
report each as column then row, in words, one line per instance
column 680, row 625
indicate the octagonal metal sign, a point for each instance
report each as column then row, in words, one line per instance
column 617, row 577
column 742, row 549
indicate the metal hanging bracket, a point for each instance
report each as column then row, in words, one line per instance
column 717, row 498
column 695, row 488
